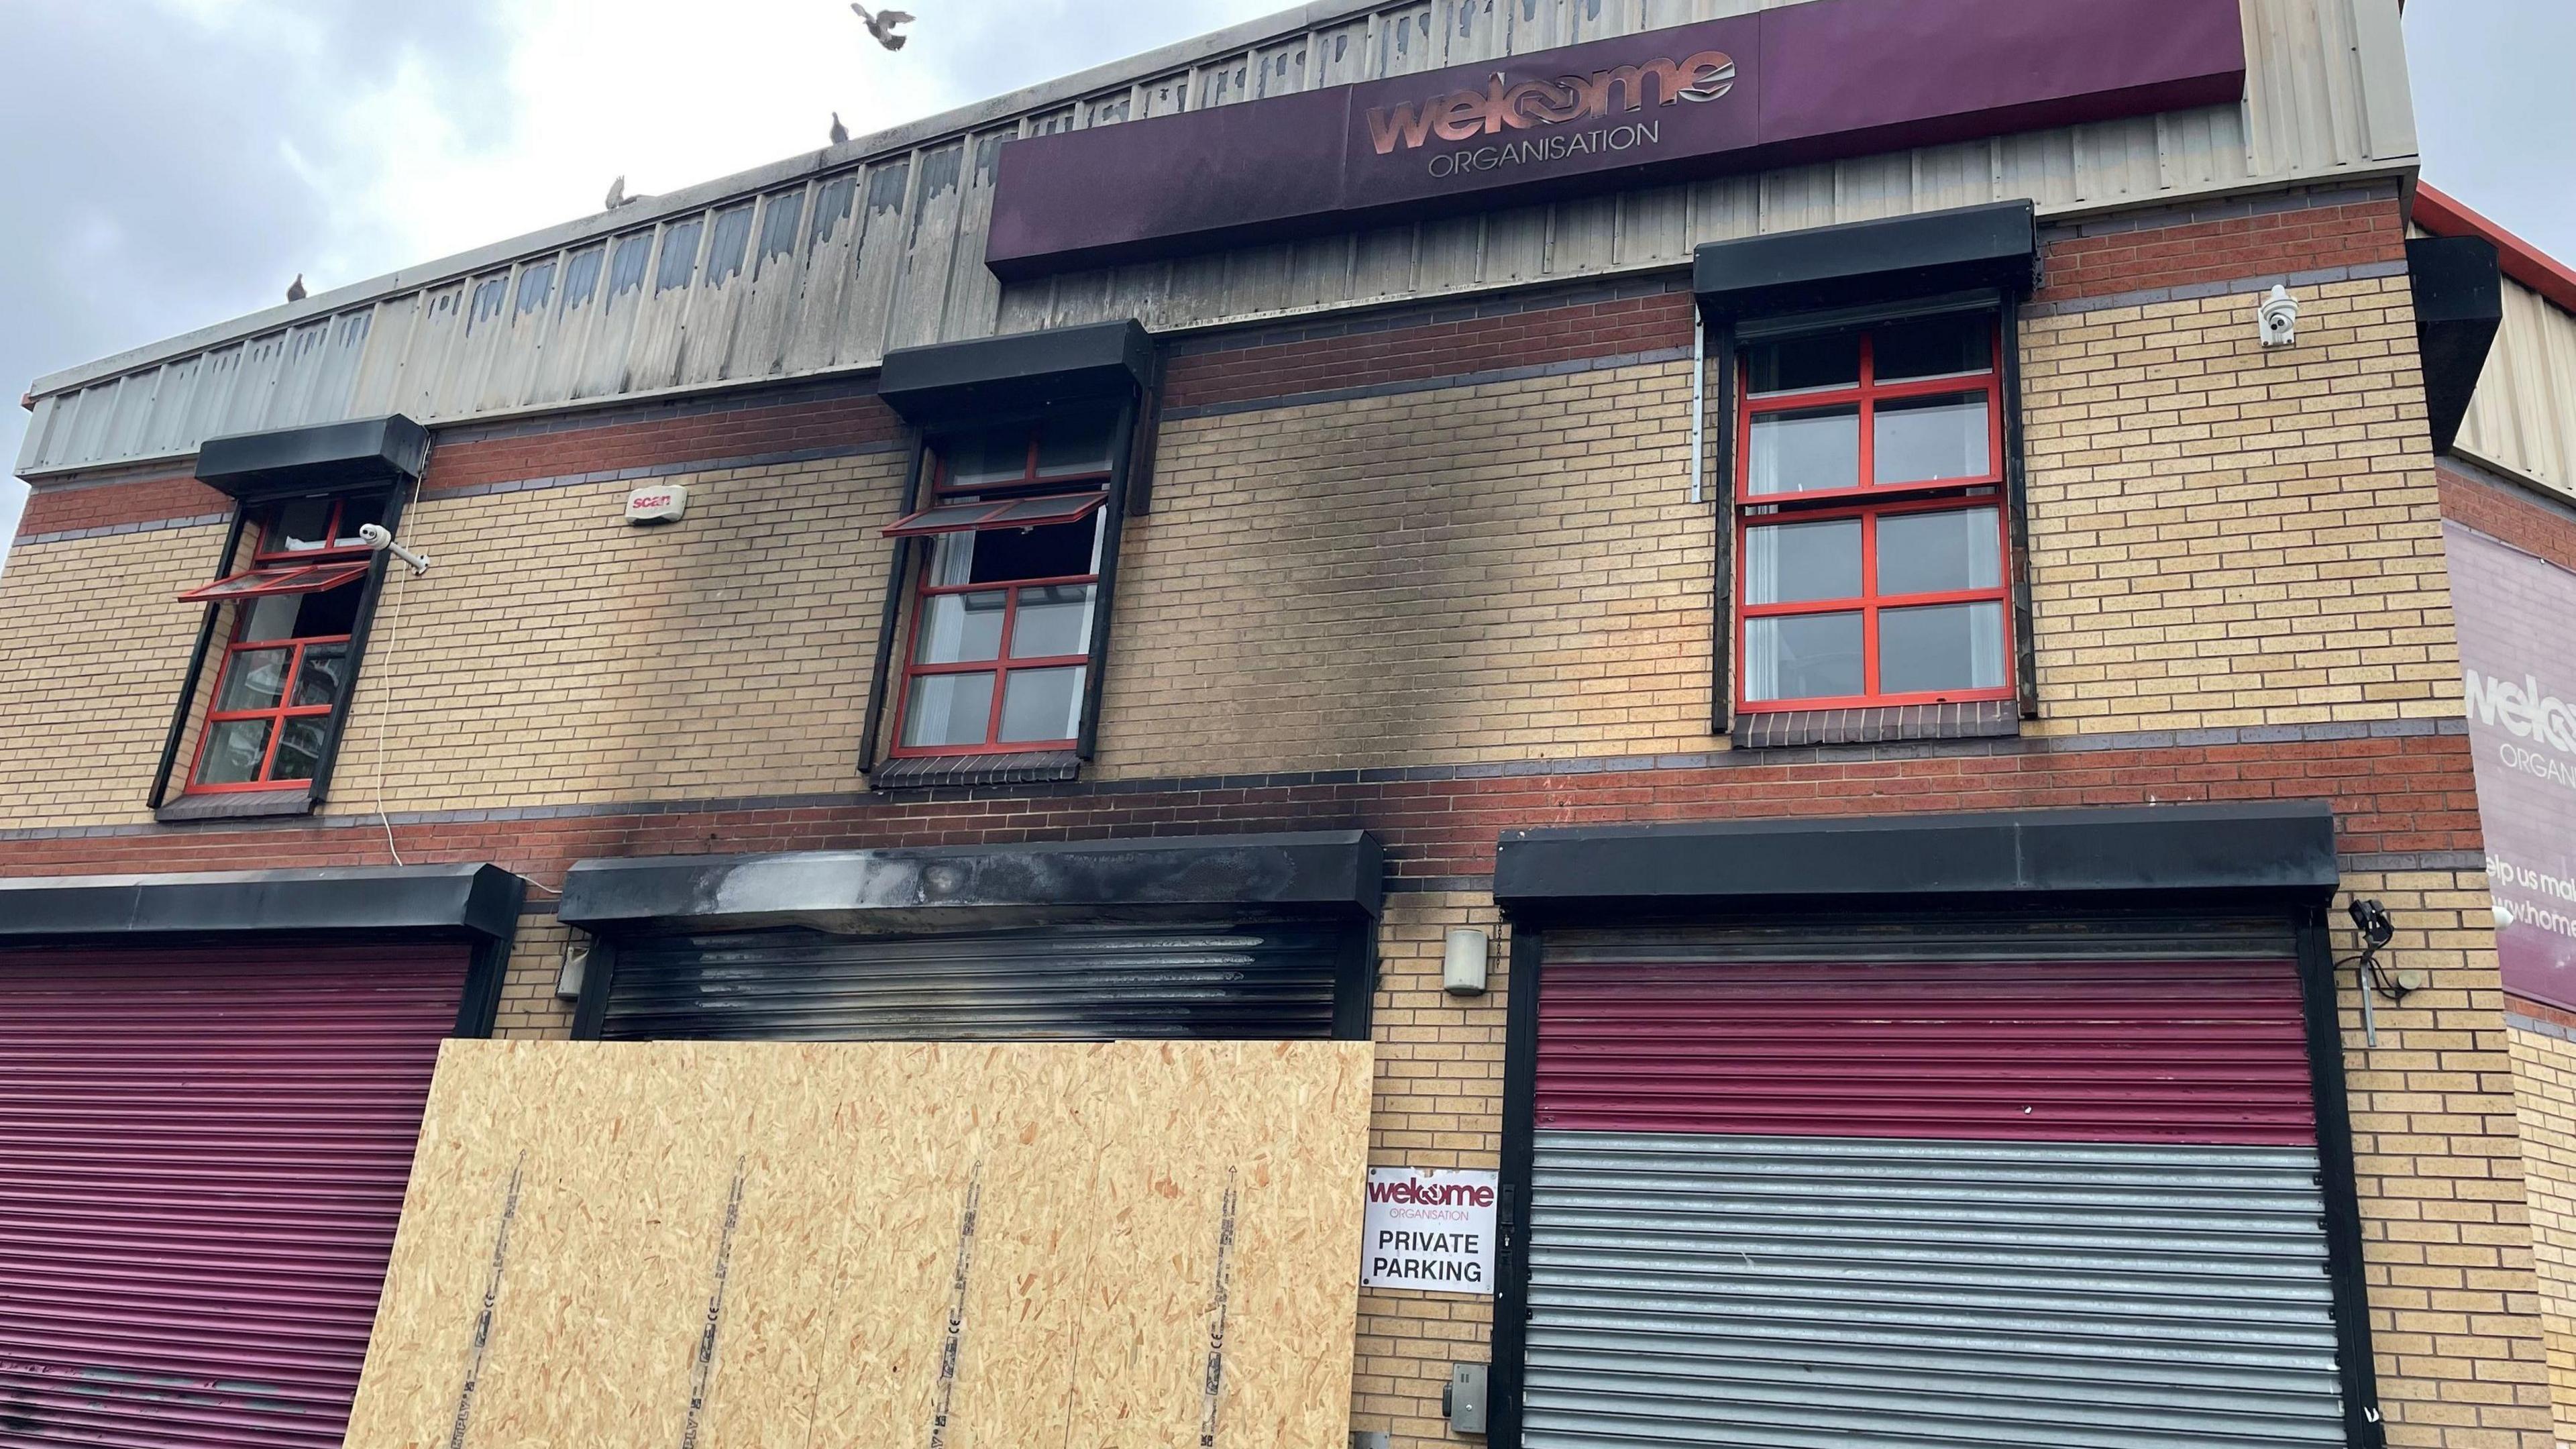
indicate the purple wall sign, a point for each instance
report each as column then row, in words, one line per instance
column 1804, row 83
column 2518, row 663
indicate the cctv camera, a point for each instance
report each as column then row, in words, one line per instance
column 381, row 539
column 2277, row 320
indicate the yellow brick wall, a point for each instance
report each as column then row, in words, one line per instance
column 2544, row 1066
column 2227, row 535
column 1503, row 571
column 529, row 1009
column 1439, row 1104
column 2438, row 1157
column 556, row 653
column 93, row 646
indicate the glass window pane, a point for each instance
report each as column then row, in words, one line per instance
column 1005, row 555
column 1053, row 509
column 272, row 618
column 1802, row 452
column 1949, row 646
column 996, row 455
column 948, row 709
column 234, row 750
column 329, row 613
column 1804, row 656
column 1041, row 704
column 254, row 679
column 1791, row 563
column 355, row 514
column 960, row 628
column 1802, row 362
column 1930, row 553
column 299, row 747
column 301, row 524
column 1933, row 347
column 1922, row 440
column 1077, row 444
column 1053, row 621
column 324, row 671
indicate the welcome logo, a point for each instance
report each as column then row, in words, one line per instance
column 1464, row 115
column 2522, row 709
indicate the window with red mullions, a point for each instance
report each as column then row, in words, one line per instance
column 1000, row 640
column 1870, row 526
column 288, row 662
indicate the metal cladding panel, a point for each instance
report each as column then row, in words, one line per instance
column 202, row 1159
column 2092, row 1051
column 1058, row 984
column 1787, row 1292
column 2522, row 418
column 891, row 262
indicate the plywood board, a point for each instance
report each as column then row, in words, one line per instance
column 1139, row 1245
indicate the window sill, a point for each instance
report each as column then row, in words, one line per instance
column 237, row 805
column 925, row 772
column 1980, row 720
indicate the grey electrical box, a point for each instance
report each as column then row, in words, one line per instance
column 1466, row 1398
column 1370, row 1439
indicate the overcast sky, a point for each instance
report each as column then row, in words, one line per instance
column 172, row 163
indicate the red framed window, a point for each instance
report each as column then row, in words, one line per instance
column 287, row 663
column 1871, row 544
column 999, row 647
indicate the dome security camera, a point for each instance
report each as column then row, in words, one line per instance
column 381, row 539
column 2277, row 320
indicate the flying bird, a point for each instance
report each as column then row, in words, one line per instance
column 295, row 290
column 840, row 133
column 617, row 196
column 882, row 24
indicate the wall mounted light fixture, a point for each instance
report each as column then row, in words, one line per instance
column 1462, row 964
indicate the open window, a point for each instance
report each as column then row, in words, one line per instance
column 1001, row 621
column 285, row 667
column 996, row 620
column 267, row 690
column 1870, row 525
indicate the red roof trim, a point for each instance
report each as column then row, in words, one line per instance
column 2525, row 263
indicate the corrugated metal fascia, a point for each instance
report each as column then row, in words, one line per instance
column 662, row 206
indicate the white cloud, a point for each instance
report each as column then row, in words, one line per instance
column 172, row 163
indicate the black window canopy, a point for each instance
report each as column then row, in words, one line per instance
column 1334, row 873
column 1858, row 262
column 324, row 458
column 956, row 383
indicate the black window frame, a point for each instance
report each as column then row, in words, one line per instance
column 249, row 518
column 1026, row 398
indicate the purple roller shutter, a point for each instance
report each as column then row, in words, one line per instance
column 202, row 1160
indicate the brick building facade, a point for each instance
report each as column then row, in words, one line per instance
column 1439, row 569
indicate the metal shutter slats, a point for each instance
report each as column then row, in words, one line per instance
column 1907, row 1204
column 202, row 1160
column 1073, row 984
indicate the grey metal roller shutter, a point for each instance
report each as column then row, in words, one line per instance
column 1078, row 983
column 1786, row 1291
column 1899, row 1185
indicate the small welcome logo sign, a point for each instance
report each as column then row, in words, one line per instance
column 1464, row 115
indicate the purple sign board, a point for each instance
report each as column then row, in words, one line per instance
column 2518, row 667
column 1804, row 83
